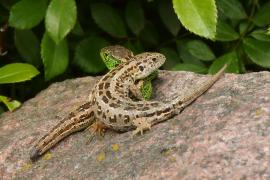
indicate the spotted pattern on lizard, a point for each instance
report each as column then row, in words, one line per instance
column 111, row 105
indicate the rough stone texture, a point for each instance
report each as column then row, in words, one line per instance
column 225, row 134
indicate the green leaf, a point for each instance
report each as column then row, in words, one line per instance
column 149, row 34
column 54, row 56
column 190, row 67
column 78, row 30
column 199, row 17
column 136, row 47
column 7, row 4
column 60, row 18
column 185, row 54
column 268, row 31
column 172, row 57
column 232, row 9
column 134, row 16
column 261, row 35
column 243, row 27
column 225, row 32
column 87, row 55
column 200, row 50
column 27, row 13
column 230, row 59
column 262, row 17
column 258, row 51
column 168, row 16
column 11, row 104
column 28, row 46
column 17, row 72
column 108, row 20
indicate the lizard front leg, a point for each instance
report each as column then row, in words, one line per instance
column 141, row 125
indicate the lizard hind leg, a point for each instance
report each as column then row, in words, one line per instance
column 98, row 128
column 141, row 125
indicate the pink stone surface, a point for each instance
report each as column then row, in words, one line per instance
column 224, row 134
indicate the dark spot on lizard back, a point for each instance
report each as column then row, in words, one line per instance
column 105, row 78
column 128, row 108
column 130, row 69
column 150, row 114
column 107, row 85
column 166, row 110
column 100, row 86
column 159, row 113
column 105, row 99
column 108, row 94
column 100, row 92
column 114, row 105
column 126, row 119
column 112, row 119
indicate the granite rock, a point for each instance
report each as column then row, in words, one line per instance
column 224, row 134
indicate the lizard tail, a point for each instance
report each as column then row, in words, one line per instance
column 193, row 95
column 76, row 121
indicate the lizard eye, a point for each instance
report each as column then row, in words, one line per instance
column 141, row 68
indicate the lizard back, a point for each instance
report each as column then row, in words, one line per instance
column 118, row 111
column 113, row 105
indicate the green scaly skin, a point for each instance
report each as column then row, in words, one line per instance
column 146, row 88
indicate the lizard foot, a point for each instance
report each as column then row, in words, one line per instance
column 98, row 128
column 141, row 125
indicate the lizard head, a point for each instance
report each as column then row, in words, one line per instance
column 114, row 55
column 146, row 63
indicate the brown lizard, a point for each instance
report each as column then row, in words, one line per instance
column 110, row 105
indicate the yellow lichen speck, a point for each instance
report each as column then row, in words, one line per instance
column 101, row 156
column 26, row 167
column 259, row 111
column 115, row 147
column 47, row 156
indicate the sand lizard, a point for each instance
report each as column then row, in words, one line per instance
column 110, row 104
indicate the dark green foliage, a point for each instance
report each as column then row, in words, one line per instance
column 62, row 38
